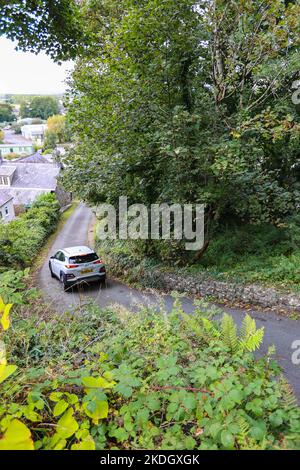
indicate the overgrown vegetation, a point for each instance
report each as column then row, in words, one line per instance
column 190, row 102
column 21, row 239
column 248, row 254
column 163, row 382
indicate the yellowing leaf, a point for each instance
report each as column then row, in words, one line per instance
column 67, row 425
column 60, row 407
column 6, row 371
column 55, row 396
column 16, row 437
column 87, row 444
column 97, row 382
column 100, row 410
column 5, row 317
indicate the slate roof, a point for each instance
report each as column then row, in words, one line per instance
column 7, row 170
column 34, row 158
column 5, row 196
column 37, row 176
column 30, row 180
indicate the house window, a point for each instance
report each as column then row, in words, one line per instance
column 4, row 180
column 6, row 210
column 11, row 150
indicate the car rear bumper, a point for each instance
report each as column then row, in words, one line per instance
column 86, row 279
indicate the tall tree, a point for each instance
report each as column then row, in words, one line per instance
column 52, row 26
column 39, row 107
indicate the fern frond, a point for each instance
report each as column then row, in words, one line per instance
column 210, row 328
column 251, row 337
column 254, row 341
column 193, row 325
column 248, row 327
column 229, row 332
column 288, row 399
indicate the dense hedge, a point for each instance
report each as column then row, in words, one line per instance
column 21, row 239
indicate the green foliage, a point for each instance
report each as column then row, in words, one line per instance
column 157, row 125
column 250, row 339
column 43, row 25
column 13, row 287
column 6, row 113
column 22, row 238
column 157, row 385
column 39, row 107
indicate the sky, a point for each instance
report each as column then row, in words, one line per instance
column 27, row 73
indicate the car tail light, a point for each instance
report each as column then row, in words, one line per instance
column 102, row 270
column 99, row 261
column 71, row 266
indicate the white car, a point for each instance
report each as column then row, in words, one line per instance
column 75, row 265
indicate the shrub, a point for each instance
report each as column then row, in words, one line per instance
column 110, row 379
column 23, row 237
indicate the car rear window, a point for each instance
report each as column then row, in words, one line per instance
column 89, row 258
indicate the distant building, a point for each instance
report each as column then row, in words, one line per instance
column 7, row 211
column 19, row 149
column 34, row 132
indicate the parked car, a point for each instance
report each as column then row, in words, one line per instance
column 75, row 265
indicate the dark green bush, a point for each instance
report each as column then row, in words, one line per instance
column 22, row 238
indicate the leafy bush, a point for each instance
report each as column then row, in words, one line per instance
column 23, row 237
column 249, row 253
column 110, row 379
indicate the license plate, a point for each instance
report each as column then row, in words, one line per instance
column 86, row 271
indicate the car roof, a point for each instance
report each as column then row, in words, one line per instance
column 77, row 250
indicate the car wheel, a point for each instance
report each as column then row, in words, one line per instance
column 62, row 280
column 51, row 272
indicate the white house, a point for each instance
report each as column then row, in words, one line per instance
column 7, row 212
column 34, row 132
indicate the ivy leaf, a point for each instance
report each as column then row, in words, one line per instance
column 16, row 437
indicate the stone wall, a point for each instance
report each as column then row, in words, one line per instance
column 248, row 294
column 63, row 197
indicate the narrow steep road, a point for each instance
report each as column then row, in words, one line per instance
column 280, row 331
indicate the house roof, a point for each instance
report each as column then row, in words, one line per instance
column 7, row 170
column 37, row 176
column 34, row 128
column 30, row 180
column 5, row 196
column 25, row 196
column 34, row 158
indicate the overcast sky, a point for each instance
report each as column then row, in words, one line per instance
column 23, row 72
